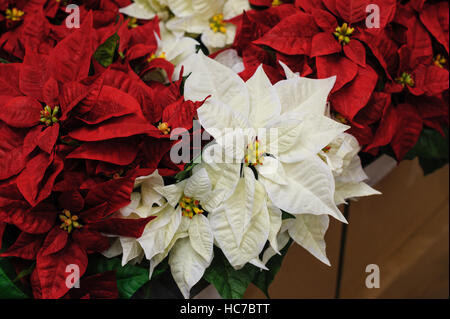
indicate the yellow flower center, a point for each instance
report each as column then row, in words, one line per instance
column 190, row 207
column 69, row 221
column 276, row 3
column 49, row 116
column 326, row 149
column 343, row 33
column 14, row 14
column 216, row 24
column 132, row 23
column 164, row 128
column 154, row 56
column 405, row 79
column 254, row 154
column 340, row 118
column 439, row 61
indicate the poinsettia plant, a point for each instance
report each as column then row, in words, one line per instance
column 268, row 102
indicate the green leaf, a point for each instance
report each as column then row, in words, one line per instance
column 186, row 173
column 8, row 290
column 25, row 272
column 129, row 278
column 161, row 268
column 106, row 51
column 264, row 278
column 432, row 149
column 285, row 215
column 230, row 283
column 4, row 61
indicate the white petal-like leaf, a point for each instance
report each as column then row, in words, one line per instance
column 210, row 78
column 308, row 231
column 201, row 236
column 138, row 11
column 253, row 240
column 264, row 100
column 186, row 265
column 346, row 191
column 304, row 94
column 310, row 189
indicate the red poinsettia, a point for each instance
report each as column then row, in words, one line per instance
column 417, row 86
column 69, row 225
column 50, row 101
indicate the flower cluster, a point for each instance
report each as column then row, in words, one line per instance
column 391, row 67
column 93, row 119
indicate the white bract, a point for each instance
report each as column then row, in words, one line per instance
column 342, row 157
column 147, row 9
column 145, row 202
column 174, row 47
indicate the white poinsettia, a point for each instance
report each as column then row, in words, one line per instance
column 341, row 155
column 286, row 162
column 208, row 18
column 145, row 202
column 306, row 230
column 147, row 9
column 173, row 47
column 183, row 233
column 241, row 225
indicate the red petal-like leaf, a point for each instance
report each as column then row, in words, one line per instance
column 324, row 43
column 410, row 124
column 71, row 200
column 47, row 138
column 387, row 128
column 352, row 11
column 34, row 74
column 26, row 247
column 356, row 52
column 117, row 151
column 38, row 220
column 419, row 44
column 21, row 111
column 99, row 286
column 344, row 69
column 435, row 17
column 430, row 80
column 101, row 193
column 293, row 35
column 91, row 240
column 70, row 59
column 122, row 226
column 51, row 270
column 124, row 126
column 55, row 241
column 12, row 157
column 382, row 47
column 374, row 110
column 110, row 102
column 325, row 20
column 9, row 79
column 355, row 95
column 2, row 229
